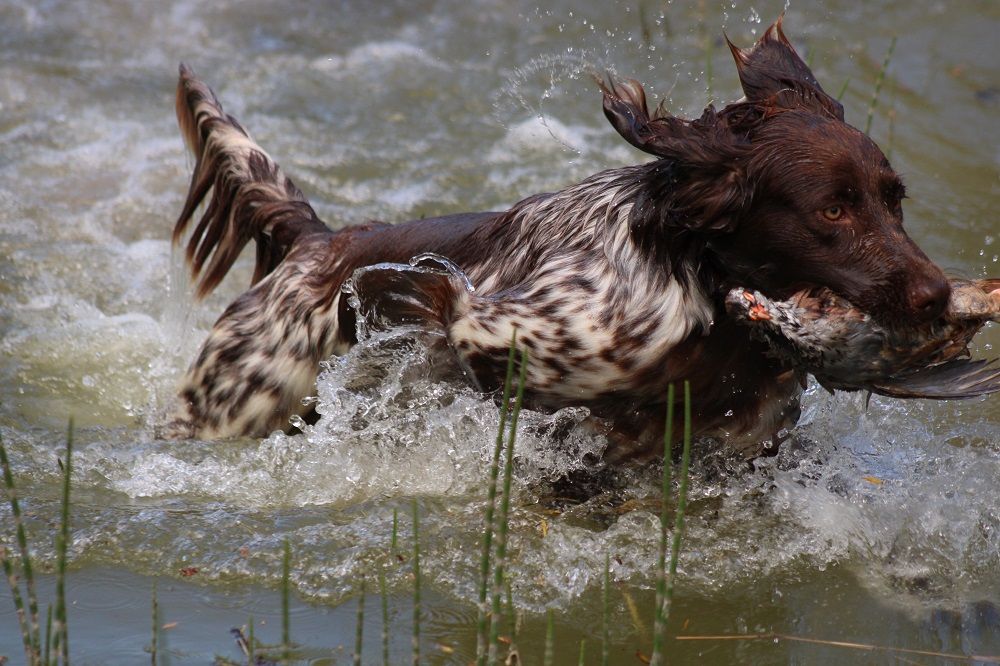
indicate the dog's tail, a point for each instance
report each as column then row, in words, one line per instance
column 251, row 197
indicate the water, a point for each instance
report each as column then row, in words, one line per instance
column 878, row 525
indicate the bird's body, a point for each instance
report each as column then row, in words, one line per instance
column 847, row 349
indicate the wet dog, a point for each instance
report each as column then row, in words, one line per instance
column 615, row 285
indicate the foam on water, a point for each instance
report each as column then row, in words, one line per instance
column 891, row 493
column 96, row 321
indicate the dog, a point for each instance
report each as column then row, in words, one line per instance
column 614, row 285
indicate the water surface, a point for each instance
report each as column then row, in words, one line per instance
column 877, row 525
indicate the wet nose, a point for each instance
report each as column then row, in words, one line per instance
column 929, row 298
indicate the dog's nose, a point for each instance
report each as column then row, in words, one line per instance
column 929, row 298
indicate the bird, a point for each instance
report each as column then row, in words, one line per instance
column 847, row 349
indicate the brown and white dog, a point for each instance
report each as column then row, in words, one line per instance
column 614, row 284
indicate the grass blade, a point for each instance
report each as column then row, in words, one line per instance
column 286, row 622
column 395, row 532
column 359, row 631
column 708, row 65
column 62, row 548
column 878, row 84
column 511, row 619
column 15, row 593
column 550, row 636
column 416, row 585
column 660, row 621
column 605, row 611
column 681, row 502
column 843, row 89
column 385, row 618
column 156, row 627
column 48, row 636
column 491, row 497
column 583, row 652
column 892, row 131
column 27, row 617
column 251, row 643
column 503, row 519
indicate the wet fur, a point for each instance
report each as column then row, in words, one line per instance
column 614, row 284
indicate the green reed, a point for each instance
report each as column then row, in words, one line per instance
column 660, row 619
column 878, row 84
column 251, row 643
column 675, row 549
column 359, row 631
column 156, row 626
column 27, row 617
column 286, row 594
column 843, row 89
column 605, row 611
column 503, row 521
column 416, row 585
column 491, row 495
column 56, row 633
column 385, row 618
column 550, row 638
column 394, row 542
column 61, row 639
column 48, row 636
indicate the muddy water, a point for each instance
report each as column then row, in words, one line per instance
column 875, row 526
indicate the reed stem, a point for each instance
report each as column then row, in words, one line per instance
column 27, row 617
column 394, row 542
column 62, row 548
column 660, row 620
column 156, row 627
column 251, row 643
column 385, row 618
column 878, row 84
column 550, row 638
column 504, row 518
column 359, row 631
column 605, row 612
column 681, row 502
column 491, row 495
column 416, row 585
column 843, row 89
column 48, row 636
column 286, row 621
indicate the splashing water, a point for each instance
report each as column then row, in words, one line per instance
column 411, row 111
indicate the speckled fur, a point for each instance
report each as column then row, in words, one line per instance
column 615, row 284
column 602, row 318
column 592, row 309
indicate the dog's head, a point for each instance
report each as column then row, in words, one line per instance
column 778, row 190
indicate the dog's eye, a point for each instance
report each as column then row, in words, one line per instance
column 833, row 213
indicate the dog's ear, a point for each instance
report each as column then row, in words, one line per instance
column 773, row 75
column 702, row 184
column 658, row 134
